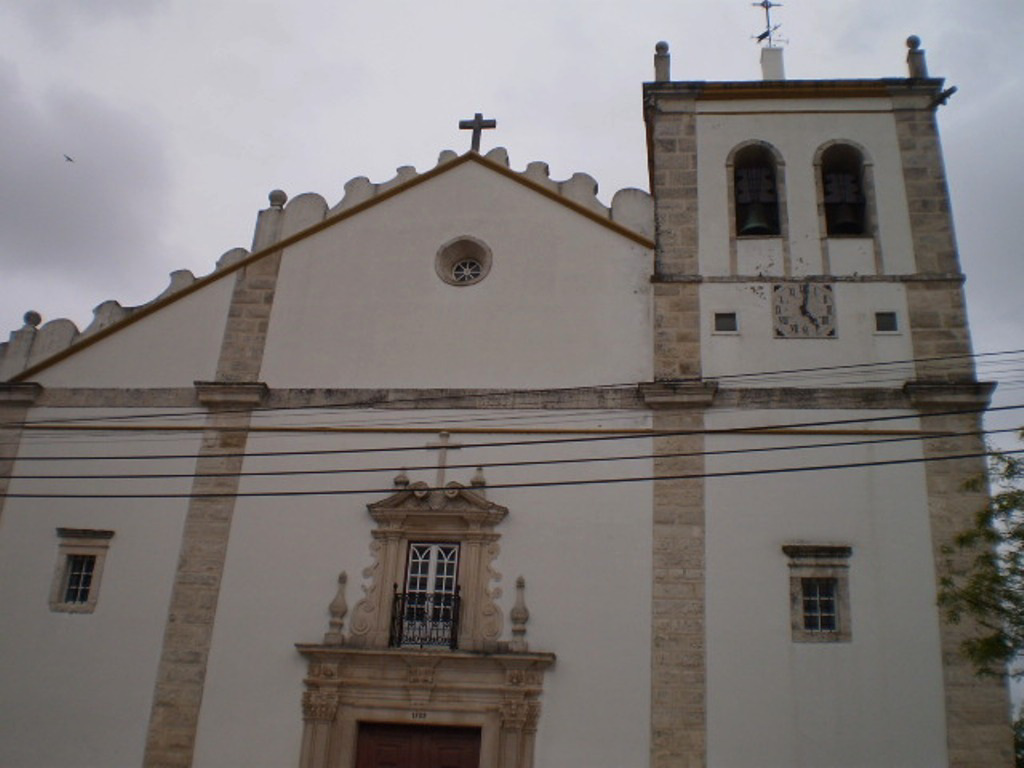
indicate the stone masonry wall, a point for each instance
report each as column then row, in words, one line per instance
column 977, row 709
column 678, row 656
column 181, row 675
column 189, row 630
column 938, row 318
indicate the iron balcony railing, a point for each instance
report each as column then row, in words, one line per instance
column 425, row 619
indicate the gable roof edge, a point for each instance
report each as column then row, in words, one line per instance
column 86, row 340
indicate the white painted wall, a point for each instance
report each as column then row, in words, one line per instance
column 76, row 689
column 584, row 551
column 773, row 703
column 754, row 349
column 173, row 347
column 360, row 305
column 797, row 128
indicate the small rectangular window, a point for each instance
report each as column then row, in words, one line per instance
column 819, row 592
column 78, row 578
column 726, row 322
column 80, row 557
column 819, row 604
column 886, row 322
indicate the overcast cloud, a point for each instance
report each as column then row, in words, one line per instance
column 181, row 115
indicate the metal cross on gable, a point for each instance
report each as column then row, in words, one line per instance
column 442, row 447
column 477, row 125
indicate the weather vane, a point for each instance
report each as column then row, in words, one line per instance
column 769, row 29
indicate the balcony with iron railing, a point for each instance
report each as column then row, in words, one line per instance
column 425, row 619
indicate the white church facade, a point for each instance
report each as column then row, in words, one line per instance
column 470, row 469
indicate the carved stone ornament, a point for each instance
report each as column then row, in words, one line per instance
column 480, row 681
column 417, row 512
column 338, row 608
column 498, row 693
column 319, row 705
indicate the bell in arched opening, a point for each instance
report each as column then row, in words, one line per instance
column 757, row 206
column 845, row 203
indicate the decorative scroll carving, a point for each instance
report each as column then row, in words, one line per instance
column 365, row 615
column 491, row 619
column 417, row 511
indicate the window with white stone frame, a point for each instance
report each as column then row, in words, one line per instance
column 819, row 592
column 81, row 554
column 426, row 613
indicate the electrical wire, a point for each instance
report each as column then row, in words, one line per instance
column 509, row 486
column 647, row 434
column 522, row 463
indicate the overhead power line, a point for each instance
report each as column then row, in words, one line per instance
column 589, row 438
column 508, row 486
column 521, row 463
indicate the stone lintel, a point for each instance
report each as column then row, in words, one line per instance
column 20, row 393
column 231, row 393
column 926, row 394
column 817, row 551
column 665, row 394
column 332, row 653
column 671, row 277
column 84, row 533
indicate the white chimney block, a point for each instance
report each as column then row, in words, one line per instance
column 771, row 64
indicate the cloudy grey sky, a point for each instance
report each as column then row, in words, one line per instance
column 181, row 115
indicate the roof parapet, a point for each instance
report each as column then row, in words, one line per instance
column 284, row 219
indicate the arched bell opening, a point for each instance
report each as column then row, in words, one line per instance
column 756, row 192
column 842, row 179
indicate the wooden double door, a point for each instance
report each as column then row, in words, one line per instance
column 409, row 746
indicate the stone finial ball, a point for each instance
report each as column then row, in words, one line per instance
column 33, row 318
column 913, row 42
column 661, row 47
column 278, row 198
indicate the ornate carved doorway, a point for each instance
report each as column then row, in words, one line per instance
column 409, row 746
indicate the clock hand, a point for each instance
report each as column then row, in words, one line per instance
column 804, row 308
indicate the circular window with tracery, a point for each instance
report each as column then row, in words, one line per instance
column 466, row 271
column 463, row 261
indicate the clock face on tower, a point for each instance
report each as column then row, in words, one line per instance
column 803, row 311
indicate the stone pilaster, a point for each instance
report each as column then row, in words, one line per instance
column 181, row 675
column 678, row 653
column 672, row 153
column 938, row 318
column 241, row 352
column 15, row 400
column 977, row 709
column 978, row 731
column 678, row 632
column 188, row 633
column 676, row 330
column 678, row 656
